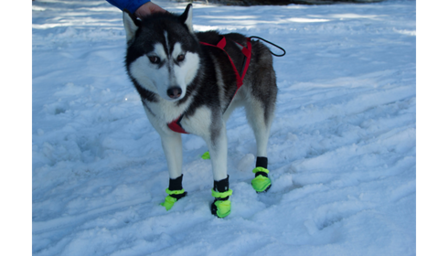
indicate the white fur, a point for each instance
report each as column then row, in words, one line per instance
column 129, row 27
column 167, row 111
column 148, row 75
column 159, row 79
column 171, row 143
column 255, row 118
column 189, row 20
column 218, row 154
column 201, row 123
column 185, row 72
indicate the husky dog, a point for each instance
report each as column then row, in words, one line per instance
column 189, row 85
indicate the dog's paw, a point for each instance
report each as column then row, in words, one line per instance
column 172, row 197
column 261, row 182
column 220, row 208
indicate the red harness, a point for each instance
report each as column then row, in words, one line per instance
column 247, row 52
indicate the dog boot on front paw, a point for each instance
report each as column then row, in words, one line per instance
column 174, row 191
column 261, row 182
column 172, row 197
column 221, row 207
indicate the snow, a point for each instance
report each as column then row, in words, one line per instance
column 342, row 151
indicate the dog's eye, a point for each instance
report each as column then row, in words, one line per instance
column 180, row 58
column 154, row 59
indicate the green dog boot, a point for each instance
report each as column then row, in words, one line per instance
column 174, row 191
column 261, row 182
column 221, row 207
column 172, row 197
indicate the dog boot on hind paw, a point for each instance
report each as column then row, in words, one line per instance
column 221, row 207
column 261, row 182
column 174, row 191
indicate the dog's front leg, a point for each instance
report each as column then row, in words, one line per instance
column 172, row 146
column 217, row 144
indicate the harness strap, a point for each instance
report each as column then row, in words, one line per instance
column 175, row 125
column 247, row 52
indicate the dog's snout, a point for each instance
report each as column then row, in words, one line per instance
column 174, row 92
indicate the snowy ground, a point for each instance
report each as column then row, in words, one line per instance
column 342, row 149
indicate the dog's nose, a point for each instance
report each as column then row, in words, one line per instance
column 174, row 92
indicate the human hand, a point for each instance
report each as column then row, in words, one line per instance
column 148, row 9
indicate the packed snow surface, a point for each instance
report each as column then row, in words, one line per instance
column 342, row 151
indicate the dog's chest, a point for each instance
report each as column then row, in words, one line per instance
column 165, row 111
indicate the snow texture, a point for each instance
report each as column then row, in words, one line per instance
column 342, row 151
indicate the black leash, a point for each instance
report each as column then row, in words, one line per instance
column 276, row 55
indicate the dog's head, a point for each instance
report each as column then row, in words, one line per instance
column 163, row 52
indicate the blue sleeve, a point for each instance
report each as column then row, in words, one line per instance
column 130, row 5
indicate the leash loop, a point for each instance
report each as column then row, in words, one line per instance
column 271, row 43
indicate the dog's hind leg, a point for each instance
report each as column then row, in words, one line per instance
column 260, row 106
column 260, row 121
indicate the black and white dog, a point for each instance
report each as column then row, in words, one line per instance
column 190, row 83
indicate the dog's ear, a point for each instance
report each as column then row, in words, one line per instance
column 187, row 17
column 131, row 24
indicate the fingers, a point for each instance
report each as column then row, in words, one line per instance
column 148, row 9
